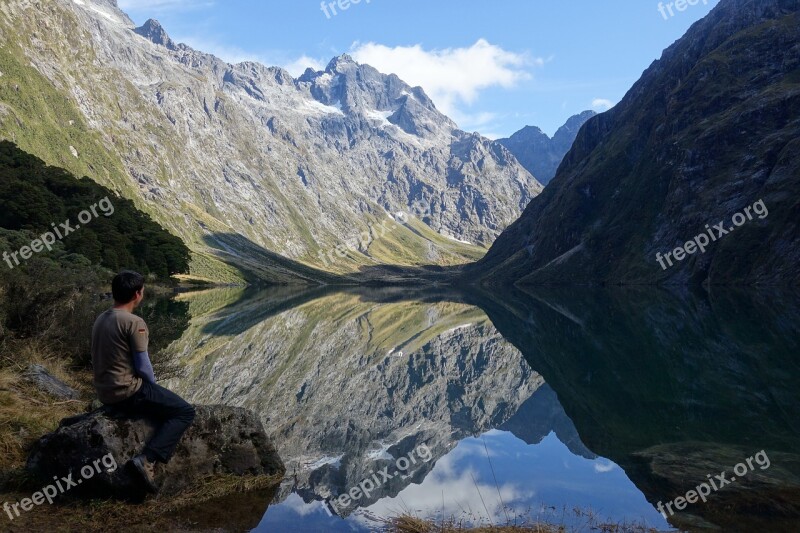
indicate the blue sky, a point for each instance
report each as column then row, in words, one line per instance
column 494, row 67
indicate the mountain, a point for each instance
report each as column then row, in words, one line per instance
column 236, row 158
column 709, row 134
column 542, row 414
column 540, row 154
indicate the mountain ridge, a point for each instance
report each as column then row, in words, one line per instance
column 539, row 153
column 295, row 166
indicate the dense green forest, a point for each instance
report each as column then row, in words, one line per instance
column 36, row 198
column 50, row 296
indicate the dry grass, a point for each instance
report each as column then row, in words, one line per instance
column 27, row 413
column 182, row 513
column 410, row 524
column 590, row 522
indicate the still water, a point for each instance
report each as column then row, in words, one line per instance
column 576, row 408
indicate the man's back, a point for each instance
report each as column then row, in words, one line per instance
column 116, row 336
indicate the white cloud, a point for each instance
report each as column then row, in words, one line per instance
column 602, row 104
column 299, row 65
column 452, row 77
column 602, row 468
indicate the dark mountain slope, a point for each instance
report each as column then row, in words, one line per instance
column 709, row 130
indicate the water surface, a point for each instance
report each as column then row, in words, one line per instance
column 572, row 407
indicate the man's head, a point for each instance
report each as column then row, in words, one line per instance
column 128, row 287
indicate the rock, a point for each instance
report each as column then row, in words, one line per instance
column 154, row 32
column 221, row 441
column 43, row 380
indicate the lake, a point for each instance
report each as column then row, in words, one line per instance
column 580, row 407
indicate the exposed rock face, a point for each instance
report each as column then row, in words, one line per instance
column 154, row 32
column 222, row 440
column 294, row 165
column 709, row 130
column 540, row 154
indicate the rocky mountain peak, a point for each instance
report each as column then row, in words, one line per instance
column 361, row 90
column 108, row 10
column 540, row 154
column 528, row 133
column 341, row 63
column 154, row 32
column 269, row 164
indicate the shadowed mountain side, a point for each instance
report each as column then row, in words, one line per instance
column 652, row 379
column 264, row 267
column 260, row 265
column 540, row 154
column 708, row 131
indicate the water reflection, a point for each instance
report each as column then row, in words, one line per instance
column 646, row 393
column 674, row 387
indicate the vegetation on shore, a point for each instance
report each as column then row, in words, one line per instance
column 590, row 522
column 48, row 304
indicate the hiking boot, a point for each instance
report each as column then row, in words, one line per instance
column 147, row 472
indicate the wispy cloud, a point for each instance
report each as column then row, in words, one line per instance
column 162, row 6
column 452, row 77
column 231, row 54
column 602, row 467
column 602, row 104
column 299, row 65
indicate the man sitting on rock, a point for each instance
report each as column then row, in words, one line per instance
column 124, row 379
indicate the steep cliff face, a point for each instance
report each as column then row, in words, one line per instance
column 540, row 154
column 347, row 384
column 294, row 166
column 708, row 131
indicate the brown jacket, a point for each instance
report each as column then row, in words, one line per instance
column 116, row 336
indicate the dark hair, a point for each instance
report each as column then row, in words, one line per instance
column 125, row 286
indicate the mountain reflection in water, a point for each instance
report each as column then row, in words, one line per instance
column 532, row 405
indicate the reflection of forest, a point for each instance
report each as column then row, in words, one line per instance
column 674, row 387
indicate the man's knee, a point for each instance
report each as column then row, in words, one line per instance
column 188, row 413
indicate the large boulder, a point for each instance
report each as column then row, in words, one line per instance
column 94, row 448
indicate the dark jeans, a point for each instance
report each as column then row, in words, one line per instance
column 171, row 412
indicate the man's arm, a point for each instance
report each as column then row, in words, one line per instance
column 141, row 359
column 143, row 366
